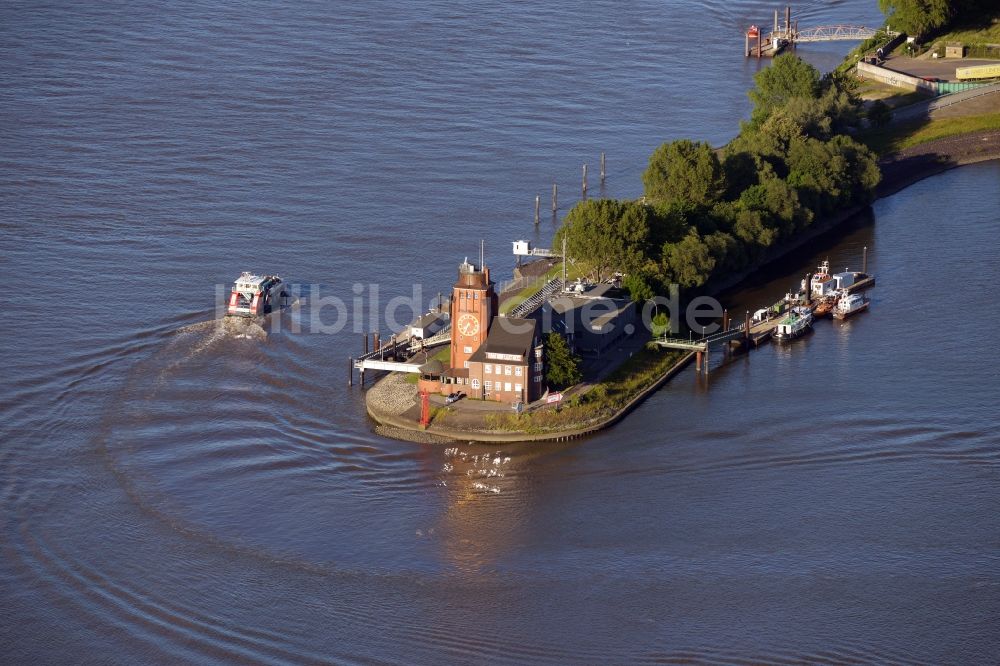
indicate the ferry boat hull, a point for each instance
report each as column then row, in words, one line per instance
column 851, row 304
column 256, row 295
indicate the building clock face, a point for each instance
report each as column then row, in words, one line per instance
column 468, row 324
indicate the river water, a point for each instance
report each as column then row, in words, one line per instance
column 174, row 490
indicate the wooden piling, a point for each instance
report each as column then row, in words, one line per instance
column 555, row 197
column 366, row 344
column 350, row 372
column 538, row 200
column 584, row 181
column 375, row 342
column 602, row 168
column 864, row 261
column 697, row 361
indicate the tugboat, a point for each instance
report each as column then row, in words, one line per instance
column 850, row 304
column 797, row 323
column 255, row 295
column 824, row 308
column 822, row 283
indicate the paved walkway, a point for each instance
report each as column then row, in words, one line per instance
column 941, row 68
column 966, row 103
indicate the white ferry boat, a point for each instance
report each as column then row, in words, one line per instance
column 255, row 295
column 850, row 304
column 795, row 324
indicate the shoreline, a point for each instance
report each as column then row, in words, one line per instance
column 899, row 171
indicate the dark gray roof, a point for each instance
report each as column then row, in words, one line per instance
column 508, row 335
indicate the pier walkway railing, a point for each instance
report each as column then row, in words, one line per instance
column 534, row 302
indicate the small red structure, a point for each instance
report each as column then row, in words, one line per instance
column 425, row 409
column 752, row 33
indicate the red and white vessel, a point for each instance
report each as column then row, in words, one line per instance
column 255, row 295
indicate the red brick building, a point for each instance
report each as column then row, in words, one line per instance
column 492, row 357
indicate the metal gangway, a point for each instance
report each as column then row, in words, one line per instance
column 833, row 33
column 531, row 304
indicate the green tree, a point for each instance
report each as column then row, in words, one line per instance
column 689, row 263
column 562, row 366
column 917, row 17
column 878, row 114
column 661, row 324
column 684, row 171
column 638, row 287
column 788, row 76
column 606, row 234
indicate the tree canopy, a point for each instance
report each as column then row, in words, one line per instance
column 684, row 171
column 917, row 17
column 606, row 234
column 707, row 213
column 787, row 78
column 562, row 365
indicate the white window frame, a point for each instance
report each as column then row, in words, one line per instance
column 506, row 370
column 506, row 386
column 518, row 371
column 475, row 383
column 488, row 368
column 487, row 386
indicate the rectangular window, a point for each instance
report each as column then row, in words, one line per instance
column 488, row 385
column 466, row 364
column 517, row 388
column 488, row 368
column 475, row 295
column 506, row 370
column 506, row 386
column 467, row 349
column 517, row 371
column 538, row 378
column 538, row 367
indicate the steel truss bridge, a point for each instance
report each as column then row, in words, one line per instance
column 833, row 33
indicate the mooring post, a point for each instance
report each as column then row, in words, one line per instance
column 366, row 343
column 375, row 342
column 697, row 361
column 706, row 360
column 788, row 22
column 864, row 261
column 725, row 329
column 350, row 372
column 775, row 31
column 440, row 303
column 602, row 167
column 538, row 200
column 746, row 330
column 584, row 181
